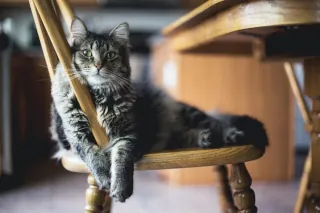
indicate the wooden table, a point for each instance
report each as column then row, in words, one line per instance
column 267, row 30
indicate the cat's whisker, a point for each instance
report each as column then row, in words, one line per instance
column 46, row 67
column 123, row 86
column 121, row 77
column 123, row 80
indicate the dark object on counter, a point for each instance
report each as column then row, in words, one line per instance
column 34, row 40
column 4, row 40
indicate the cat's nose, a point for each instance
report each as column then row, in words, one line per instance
column 98, row 66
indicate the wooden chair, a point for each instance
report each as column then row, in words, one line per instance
column 305, row 179
column 53, row 41
column 291, row 32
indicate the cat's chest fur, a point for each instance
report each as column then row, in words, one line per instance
column 111, row 105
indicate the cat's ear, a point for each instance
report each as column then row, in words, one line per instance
column 78, row 31
column 121, row 33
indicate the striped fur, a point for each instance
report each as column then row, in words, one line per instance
column 138, row 117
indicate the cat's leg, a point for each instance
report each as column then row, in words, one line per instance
column 122, row 168
column 218, row 129
column 230, row 136
column 120, row 125
column 79, row 135
column 208, row 138
column 254, row 132
column 238, row 130
column 113, row 167
column 209, row 131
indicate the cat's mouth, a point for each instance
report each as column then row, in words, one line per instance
column 96, row 79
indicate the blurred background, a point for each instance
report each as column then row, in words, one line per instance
column 31, row 182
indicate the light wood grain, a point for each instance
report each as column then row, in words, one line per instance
column 62, row 49
column 181, row 159
column 47, row 48
column 95, row 198
column 303, row 186
column 191, row 32
column 66, row 11
column 198, row 14
column 297, row 91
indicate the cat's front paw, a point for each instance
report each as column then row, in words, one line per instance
column 121, row 189
column 102, row 177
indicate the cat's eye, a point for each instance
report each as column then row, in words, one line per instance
column 87, row 53
column 111, row 55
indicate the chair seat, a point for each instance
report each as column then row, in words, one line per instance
column 181, row 158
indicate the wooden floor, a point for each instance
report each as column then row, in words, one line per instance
column 50, row 189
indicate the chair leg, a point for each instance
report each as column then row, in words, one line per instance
column 298, row 93
column 303, row 188
column 107, row 205
column 95, row 198
column 243, row 195
column 312, row 90
column 224, row 190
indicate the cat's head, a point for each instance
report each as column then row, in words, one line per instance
column 98, row 58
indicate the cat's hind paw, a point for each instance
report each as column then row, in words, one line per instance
column 254, row 131
column 207, row 139
column 233, row 136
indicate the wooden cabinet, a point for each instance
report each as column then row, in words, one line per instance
column 235, row 84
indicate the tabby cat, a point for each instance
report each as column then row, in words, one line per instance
column 138, row 117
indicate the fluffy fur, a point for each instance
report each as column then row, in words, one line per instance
column 138, row 118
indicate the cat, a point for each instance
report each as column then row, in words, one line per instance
column 138, row 117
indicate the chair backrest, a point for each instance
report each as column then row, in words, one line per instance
column 46, row 14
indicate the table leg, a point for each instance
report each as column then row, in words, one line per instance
column 312, row 89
